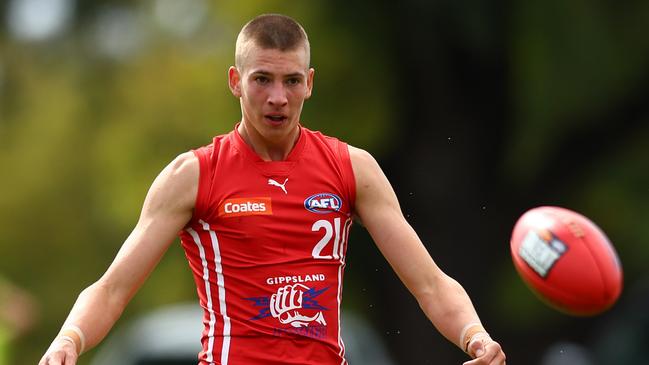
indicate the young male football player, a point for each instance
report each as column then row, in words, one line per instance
column 264, row 214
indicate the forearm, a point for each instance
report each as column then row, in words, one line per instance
column 449, row 308
column 95, row 312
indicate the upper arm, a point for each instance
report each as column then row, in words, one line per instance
column 167, row 208
column 378, row 209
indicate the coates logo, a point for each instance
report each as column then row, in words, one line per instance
column 238, row 207
column 322, row 203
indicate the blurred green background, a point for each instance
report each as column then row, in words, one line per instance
column 477, row 110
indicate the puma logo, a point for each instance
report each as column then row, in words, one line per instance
column 281, row 186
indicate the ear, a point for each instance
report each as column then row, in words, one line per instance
column 309, row 83
column 234, row 81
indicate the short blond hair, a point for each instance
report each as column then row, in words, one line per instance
column 271, row 31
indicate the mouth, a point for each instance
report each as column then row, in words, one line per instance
column 275, row 119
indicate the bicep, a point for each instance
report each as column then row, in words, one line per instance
column 166, row 210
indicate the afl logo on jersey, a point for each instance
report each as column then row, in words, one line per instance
column 322, row 203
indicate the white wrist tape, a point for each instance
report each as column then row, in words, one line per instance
column 68, row 339
column 463, row 333
column 77, row 331
column 467, row 333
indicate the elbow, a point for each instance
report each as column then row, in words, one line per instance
column 103, row 291
column 437, row 291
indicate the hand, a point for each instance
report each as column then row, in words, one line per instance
column 286, row 299
column 61, row 352
column 485, row 351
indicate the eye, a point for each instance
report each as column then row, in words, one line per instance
column 293, row 81
column 261, row 79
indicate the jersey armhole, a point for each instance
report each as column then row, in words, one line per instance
column 348, row 175
column 204, row 183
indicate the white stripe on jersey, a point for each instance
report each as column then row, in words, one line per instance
column 225, row 348
column 344, row 240
column 208, row 294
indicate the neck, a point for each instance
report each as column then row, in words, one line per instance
column 267, row 149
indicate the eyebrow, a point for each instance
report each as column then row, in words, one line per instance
column 267, row 73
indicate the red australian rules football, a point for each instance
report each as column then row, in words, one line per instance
column 566, row 260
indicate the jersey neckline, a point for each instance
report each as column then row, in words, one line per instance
column 281, row 168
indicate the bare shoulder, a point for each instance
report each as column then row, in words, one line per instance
column 182, row 172
column 367, row 172
column 177, row 184
column 185, row 165
column 359, row 155
column 363, row 163
column 372, row 186
column 374, row 194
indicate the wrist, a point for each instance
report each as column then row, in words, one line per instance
column 73, row 335
column 470, row 332
column 69, row 340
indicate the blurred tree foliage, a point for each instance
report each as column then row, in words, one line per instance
column 477, row 109
column 515, row 105
column 83, row 135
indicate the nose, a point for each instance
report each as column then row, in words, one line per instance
column 277, row 95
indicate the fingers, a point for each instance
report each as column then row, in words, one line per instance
column 58, row 358
column 70, row 359
column 476, row 346
column 487, row 353
column 60, row 353
column 53, row 359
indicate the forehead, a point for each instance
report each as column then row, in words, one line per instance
column 257, row 59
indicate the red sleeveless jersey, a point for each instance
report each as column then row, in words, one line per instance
column 266, row 245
